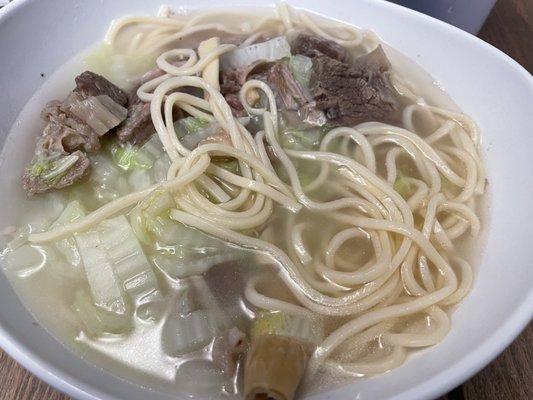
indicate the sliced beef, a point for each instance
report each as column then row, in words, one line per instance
column 65, row 133
column 312, row 45
column 235, row 104
column 138, row 127
column 290, row 95
column 155, row 73
column 40, row 176
column 151, row 74
column 91, row 84
column 233, row 79
column 73, row 128
column 352, row 94
column 231, row 82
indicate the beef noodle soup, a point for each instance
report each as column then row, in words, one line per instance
column 259, row 205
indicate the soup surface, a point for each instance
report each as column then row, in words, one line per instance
column 258, row 204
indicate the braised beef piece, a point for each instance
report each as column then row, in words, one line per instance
column 73, row 128
column 312, row 46
column 91, row 84
column 231, row 82
column 235, row 104
column 148, row 76
column 65, row 133
column 138, row 127
column 34, row 181
column 233, row 79
column 352, row 94
column 290, row 94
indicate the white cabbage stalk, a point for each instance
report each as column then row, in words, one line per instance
column 72, row 212
column 194, row 251
column 101, row 113
column 271, row 50
column 97, row 321
column 118, row 272
column 60, row 167
column 127, row 257
column 144, row 217
column 301, row 67
column 188, row 333
column 195, row 321
column 105, row 286
column 139, row 179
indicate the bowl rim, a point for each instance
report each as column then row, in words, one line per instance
column 447, row 379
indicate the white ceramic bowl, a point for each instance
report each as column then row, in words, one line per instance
column 38, row 36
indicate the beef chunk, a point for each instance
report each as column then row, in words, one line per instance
column 235, row 104
column 45, row 172
column 91, row 84
column 233, row 79
column 290, row 94
column 231, row 83
column 64, row 133
column 352, row 94
column 138, row 127
column 151, row 74
column 311, row 46
column 73, row 128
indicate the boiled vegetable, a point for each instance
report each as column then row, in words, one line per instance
column 120, row 68
column 96, row 320
column 303, row 140
column 72, row 212
column 191, row 131
column 127, row 257
column 195, row 321
column 402, row 185
column 101, row 113
column 104, row 284
column 129, row 157
column 186, row 251
column 118, row 272
column 271, row 50
column 52, row 167
column 145, row 219
column 276, row 362
column 301, row 67
column 278, row 323
column 274, row 367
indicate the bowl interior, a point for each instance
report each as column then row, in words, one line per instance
column 40, row 36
